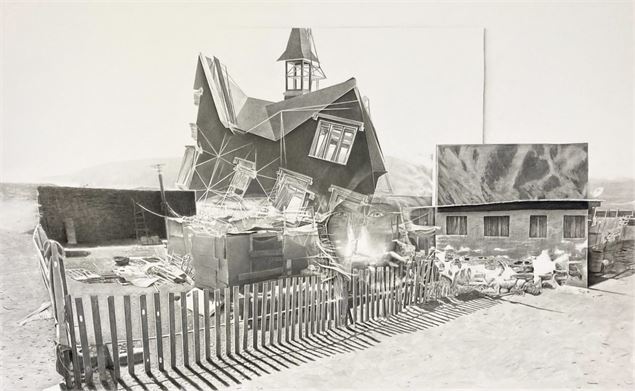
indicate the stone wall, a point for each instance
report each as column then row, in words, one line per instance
column 103, row 215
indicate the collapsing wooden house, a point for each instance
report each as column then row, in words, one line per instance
column 301, row 149
column 516, row 201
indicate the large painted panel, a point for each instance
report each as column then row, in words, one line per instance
column 490, row 173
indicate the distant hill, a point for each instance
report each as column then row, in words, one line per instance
column 131, row 174
column 404, row 178
column 617, row 193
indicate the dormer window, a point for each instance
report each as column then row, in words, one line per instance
column 333, row 141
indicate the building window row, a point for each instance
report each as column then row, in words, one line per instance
column 498, row 226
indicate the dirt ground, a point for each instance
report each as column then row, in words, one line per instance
column 566, row 338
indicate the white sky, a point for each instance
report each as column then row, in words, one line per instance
column 84, row 84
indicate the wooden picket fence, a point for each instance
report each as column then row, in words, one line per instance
column 107, row 336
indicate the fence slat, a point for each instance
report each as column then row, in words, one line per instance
column 287, row 308
column 129, row 344
column 185, row 343
column 280, row 301
column 246, row 307
column 294, row 305
column 320, row 307
column 300, row 306
column 314, row 305
column 143, row 309
column 196, row 327
column 236, row 316
column 217, row 316
column 307, row 306
column 272, row 311
column 83, row 337
column 172, row 319
column 77, row 375
column 158, row 329
column 206, row 325
column 99, row 341
column 254, row 322
column 112, row 318
column 227, row 320
column 263, row 316
column 354, row 282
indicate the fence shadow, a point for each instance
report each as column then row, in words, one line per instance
column 238, row 368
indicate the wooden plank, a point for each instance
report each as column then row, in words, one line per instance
column 300, row 306
column 246, row 307
column 217, row 315
column 287, row 308
column 327, row 309
column 307, row 306
column 280, row 301
column 236, row 315
column 184, row 330
column 129, row 344
column 294, row 305
column 206, row 324
column 254, row 322
column 272, row 312
column 319, row 298
column 354, row 281
column 172, row 320
column 263, row 316
column 366, row 295
column 77, row 375
column 158, row 329
column 83, row 337
column 112, row 317
column 314, row 301
column 227, row 311
column 99, row 340
column 196, row 327
column 145, row 341
column 415, row 289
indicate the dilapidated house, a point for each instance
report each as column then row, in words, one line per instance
column 515, row 201
column 303, row 148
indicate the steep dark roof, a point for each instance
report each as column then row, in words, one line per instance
column 299, row 46
column 274, row 120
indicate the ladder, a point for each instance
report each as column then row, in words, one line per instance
column 140, row 227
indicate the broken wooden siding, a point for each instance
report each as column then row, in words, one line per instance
column 102, row 215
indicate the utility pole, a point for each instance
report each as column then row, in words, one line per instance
column 164, row 203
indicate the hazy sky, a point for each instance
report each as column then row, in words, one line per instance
column 84, row 84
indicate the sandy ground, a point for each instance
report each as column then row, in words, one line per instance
column 568, row 338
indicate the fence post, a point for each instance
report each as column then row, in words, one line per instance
column 99, row 341
column 294, row 306
column 143, row 309
column 280, row 301
column 254, row 322
column 129, row 344
column 113, row 337
column 83, row 337
column 236, row 315
column 158, row 329
column 196, row 326
column 272, row 311
column 184, row 330
column 287, row 307
column 228, row 324
column 246, row 306
column 68, row 313
column 263, row 323
column 206, row 324
column 172, row 319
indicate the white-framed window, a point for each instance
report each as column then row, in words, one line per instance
column 333, row 141
column 574, row 227
column 456, row 225
column 496, row 225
